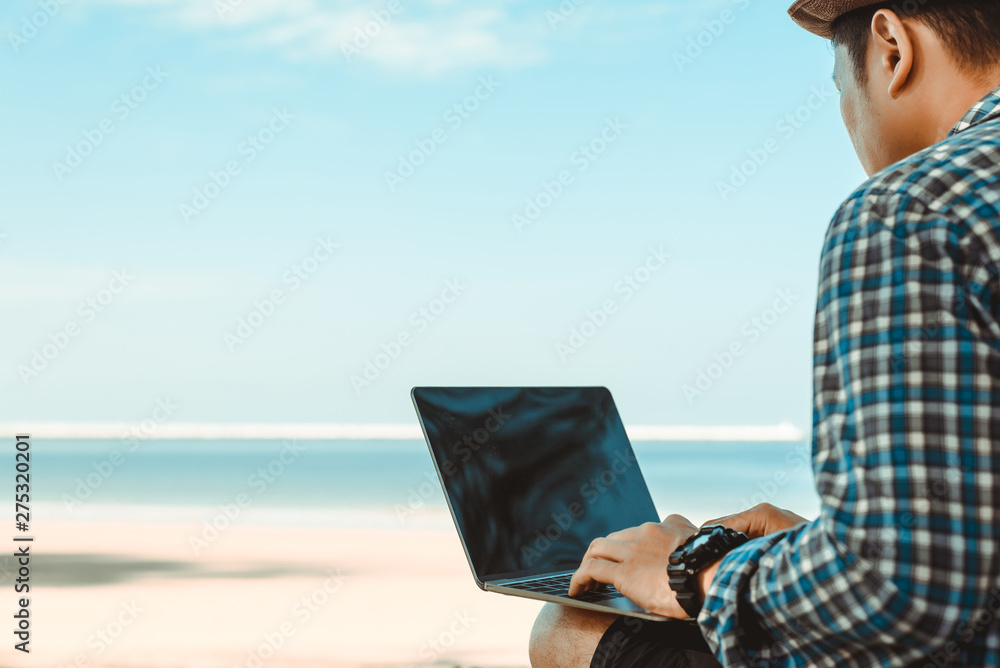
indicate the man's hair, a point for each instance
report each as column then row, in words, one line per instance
column 970, row 30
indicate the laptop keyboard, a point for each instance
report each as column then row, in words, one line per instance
column 558, row 585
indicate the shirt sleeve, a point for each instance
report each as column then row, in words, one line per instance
column 903, row 556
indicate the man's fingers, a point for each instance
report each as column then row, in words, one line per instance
column 720, row 520
column 760, row 520
column 679, row 521
column 608, row 548
column 740, row 522
column 591, row 573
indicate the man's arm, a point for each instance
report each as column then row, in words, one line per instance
column 905, row 550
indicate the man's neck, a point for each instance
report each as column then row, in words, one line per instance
column 954, row 98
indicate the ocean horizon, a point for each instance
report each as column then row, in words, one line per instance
column 161, row 429
column 383, row 484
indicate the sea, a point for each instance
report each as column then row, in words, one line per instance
column 378, row 484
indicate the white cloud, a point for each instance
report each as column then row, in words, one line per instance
column 426, row 37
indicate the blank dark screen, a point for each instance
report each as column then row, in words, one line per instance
column 533, row 475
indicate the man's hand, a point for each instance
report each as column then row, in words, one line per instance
column 760, row 520
column 635, row 562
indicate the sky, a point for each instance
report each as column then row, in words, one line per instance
column 296, row 210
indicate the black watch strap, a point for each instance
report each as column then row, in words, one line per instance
column 697, row 553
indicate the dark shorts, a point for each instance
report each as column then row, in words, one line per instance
column 633, row 643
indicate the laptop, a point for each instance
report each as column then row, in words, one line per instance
column 532, row 475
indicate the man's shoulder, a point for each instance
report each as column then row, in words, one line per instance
column 954, row 183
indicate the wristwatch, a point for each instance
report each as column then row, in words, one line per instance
column 694, row 555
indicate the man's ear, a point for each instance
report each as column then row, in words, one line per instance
column 892, row 50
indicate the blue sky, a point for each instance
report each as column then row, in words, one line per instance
column 174, row 167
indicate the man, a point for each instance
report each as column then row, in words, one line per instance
column 902, row 567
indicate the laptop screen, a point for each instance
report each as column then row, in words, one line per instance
column 532, row 475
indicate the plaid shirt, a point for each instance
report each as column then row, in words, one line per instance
column 902, row 567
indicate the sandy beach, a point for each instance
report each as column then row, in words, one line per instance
column 128, row 594
column 349, row 557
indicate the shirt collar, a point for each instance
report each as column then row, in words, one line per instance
column 987, row 107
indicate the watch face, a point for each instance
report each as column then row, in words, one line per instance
column 700, row 541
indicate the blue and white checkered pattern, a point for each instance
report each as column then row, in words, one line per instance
column 902, row 567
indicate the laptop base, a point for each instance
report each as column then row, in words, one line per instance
column 617, row 605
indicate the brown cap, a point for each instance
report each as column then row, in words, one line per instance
column 817, row 16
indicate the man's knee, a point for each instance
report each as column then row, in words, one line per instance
column 565, row 637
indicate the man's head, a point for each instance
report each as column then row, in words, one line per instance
column 907, row 70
